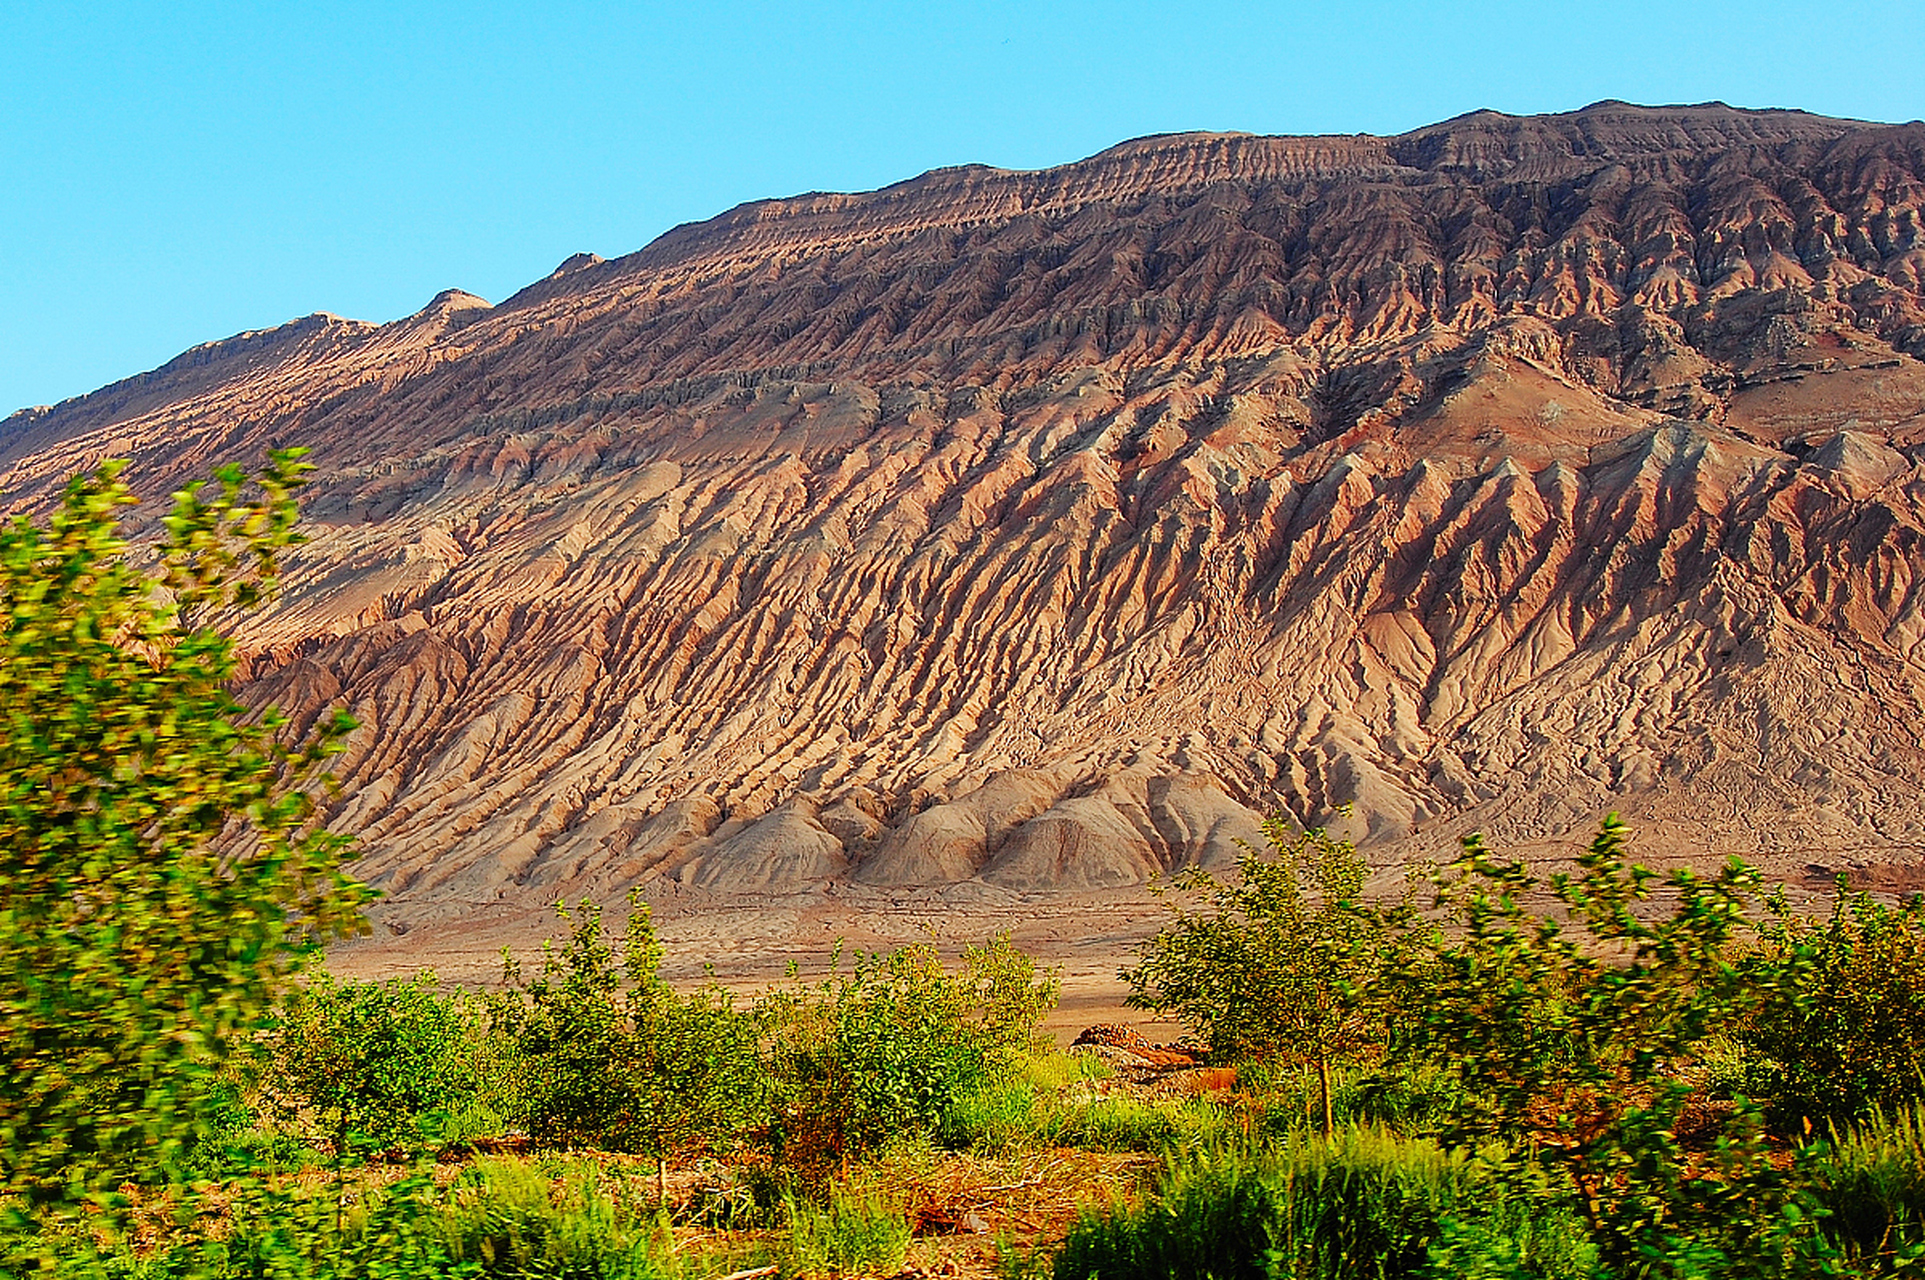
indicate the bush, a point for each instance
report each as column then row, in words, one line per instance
column 164, row 872
column 1845, row 1016
column 891, row 1045
column 324, row 1232
column 1004, row 998
column 382, row 1063
column 1418, row 1099
column 611, row 1057
column 993, row 1117
column 1054, row 1071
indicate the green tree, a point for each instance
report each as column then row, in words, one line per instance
column 614, row 1058
column 377, row 1062
column 1843, row 1024
column 163, row 868
column 1565, row 1030
column 1288, row 961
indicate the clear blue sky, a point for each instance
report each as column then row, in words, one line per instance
column 174, row 173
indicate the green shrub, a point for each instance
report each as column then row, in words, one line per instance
column 1004, row 997
column 1414, row 1099
column 283, row 1230
column 502, row 1218
column 892, row 1044
column 328, row 1232
column 382, row 1063
column 609, row 1056
column 1843, row 1027
column 1420, row 1100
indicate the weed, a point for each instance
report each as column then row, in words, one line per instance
column 1123, row 1123
column 514, row 1218
column 993, row 1117
column 1366, row 1204
column 1053, row 1071
column 855, row 1231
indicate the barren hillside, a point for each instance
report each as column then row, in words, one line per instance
column 1012, row 533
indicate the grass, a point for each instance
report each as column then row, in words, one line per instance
column 1124, row 1123
column 1007, row 1117
column 1062, row 1100
column 1367, row 1205
column 1055, row 1071
column 997, row 1117
column 1871, row 1180
column 520, row 1218
column 856, row 1231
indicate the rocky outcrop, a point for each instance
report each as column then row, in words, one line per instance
column 1035, row 531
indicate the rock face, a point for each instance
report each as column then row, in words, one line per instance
column 1030, row 531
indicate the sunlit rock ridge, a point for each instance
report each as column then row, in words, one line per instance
column 1023, row 532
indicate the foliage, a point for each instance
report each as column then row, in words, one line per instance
column 612, row 1057
column 1563, row 1035
column 274, row 1231
column 511, row 1218
column 380, row 1062
column 875, row 1050
column 890, row 1044
column 1845, row 1016
column 1289, row 959
column 1365, row 1205
column 163, row 871
column 854, row 1233
column 310, row 1231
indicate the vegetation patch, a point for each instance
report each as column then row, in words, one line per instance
column 1577, row 1076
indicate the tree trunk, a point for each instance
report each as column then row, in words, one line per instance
column 1323, row 1093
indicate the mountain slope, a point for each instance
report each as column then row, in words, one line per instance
column 1032, row 531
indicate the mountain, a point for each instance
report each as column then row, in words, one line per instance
column 1004, row 533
